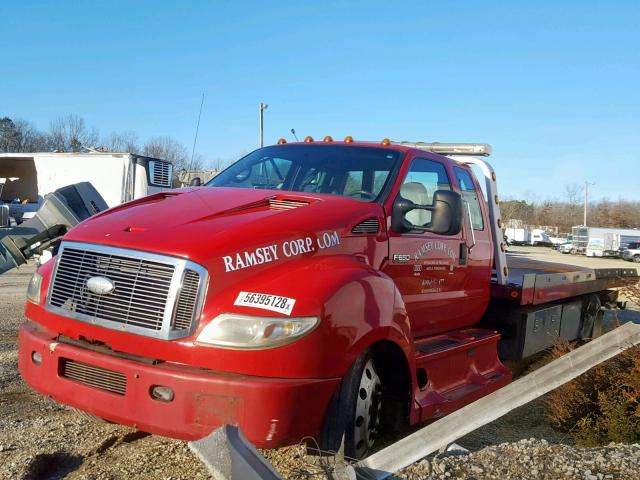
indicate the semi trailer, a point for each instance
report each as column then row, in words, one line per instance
column 601, row 241
column 25, row 178
column 320, row 289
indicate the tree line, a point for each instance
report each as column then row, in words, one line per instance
column 566, row 213
column 70, row 133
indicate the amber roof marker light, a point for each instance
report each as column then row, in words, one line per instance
column 281, row 141
column 386, row 142
column 348, row 139
column 308, row 139
column 328, row 139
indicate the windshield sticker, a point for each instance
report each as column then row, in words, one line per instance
column 270, row 253
column 275, row 303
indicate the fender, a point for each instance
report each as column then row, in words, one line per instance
column 349, row 296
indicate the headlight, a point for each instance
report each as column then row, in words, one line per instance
column 33, row 289
column 250, row 332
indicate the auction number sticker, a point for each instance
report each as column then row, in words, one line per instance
column 275, row 303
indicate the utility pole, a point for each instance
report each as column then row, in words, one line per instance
column 586, row 201
column 263, row 107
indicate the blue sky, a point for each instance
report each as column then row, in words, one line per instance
column 553, row 86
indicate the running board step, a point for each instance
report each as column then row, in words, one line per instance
column 457, row 368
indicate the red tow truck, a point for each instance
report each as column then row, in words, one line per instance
column 326, row 289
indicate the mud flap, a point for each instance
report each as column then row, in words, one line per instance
column 591, row 317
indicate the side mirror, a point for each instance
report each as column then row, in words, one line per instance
column 195, row 182
column 446, row 214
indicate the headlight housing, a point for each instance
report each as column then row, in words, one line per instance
column 230, row 330
column 33, row 289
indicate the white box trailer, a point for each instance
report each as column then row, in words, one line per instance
column 25, row 178
column 518, row 236
column 602, row 241
column 524, row 236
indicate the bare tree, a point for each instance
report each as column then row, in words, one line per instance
column 167, row 148
column 21, row 136
column 126, row 141
column 31, row 139
column 70, row 134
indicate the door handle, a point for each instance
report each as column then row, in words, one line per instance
column 464, row 254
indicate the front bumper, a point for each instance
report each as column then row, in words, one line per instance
column 271, row 412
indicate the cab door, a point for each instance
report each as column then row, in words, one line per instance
column 428, row 269
column 477, row 234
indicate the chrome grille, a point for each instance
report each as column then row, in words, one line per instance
column 152, row 295
column 97, row 377
column 187, row 301
column 370, row 225
column 141, row 287
column 160, row 173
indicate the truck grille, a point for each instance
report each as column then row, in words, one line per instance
column 187, row 301
column 160, row 173
column 145, row 288
column 97, row 377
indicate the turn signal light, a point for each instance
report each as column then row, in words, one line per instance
column 282, row 141
column 328, row 139
column 164, row 394
column 348, row 139
column 36, row 357
column 308, row 139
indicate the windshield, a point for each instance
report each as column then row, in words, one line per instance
column 356, row 172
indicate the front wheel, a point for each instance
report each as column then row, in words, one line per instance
column 352, row 421
column 636, row 258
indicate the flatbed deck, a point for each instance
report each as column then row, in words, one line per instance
column 533, row 282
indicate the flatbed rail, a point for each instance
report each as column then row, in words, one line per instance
column 534, row 282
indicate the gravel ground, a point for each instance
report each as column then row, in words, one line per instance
column 40, row 438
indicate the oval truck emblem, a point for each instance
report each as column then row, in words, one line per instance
column 100, row 285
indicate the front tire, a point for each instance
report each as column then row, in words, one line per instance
column 636, row 258
column 352, row 421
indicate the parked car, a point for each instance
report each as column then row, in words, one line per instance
column 632, row 252
column 566, row 248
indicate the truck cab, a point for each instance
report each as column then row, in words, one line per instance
column 319, row 289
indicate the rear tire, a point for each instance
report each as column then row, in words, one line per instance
column 352, row 421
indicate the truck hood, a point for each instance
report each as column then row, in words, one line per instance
column 205, row 224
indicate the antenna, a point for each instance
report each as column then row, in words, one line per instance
column 294, row 134
column 195, row 138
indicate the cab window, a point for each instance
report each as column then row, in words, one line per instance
column 425, row 176
column 470, row 196
column 360, row 173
